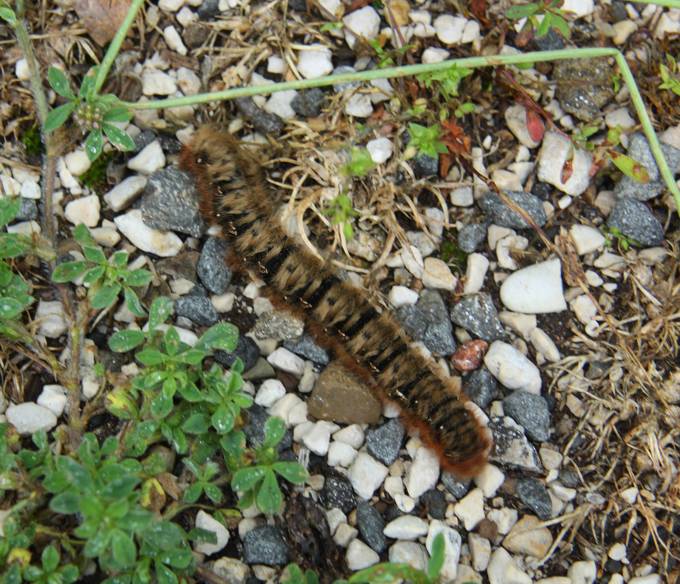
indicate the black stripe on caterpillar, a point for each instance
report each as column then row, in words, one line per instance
column 233, row 194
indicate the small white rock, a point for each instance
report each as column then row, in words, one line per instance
column 209, row 523
column 77, row 162
column 579, row 8
column 188, row 81
column 477, row 266
column 360, row 556
column 512, row 368
column 470, row 509
column 160, row 243
column 452, row 548
column 283, row 408
column 318, row 438
column 434, row 55
column 22, row 71
column 155, row 82
column 107, row 236
column 422, row 475
column 520, row 323
column 366, row 474
column 544, row 345
column 270, row 391
column 314, row 61
column 516, row 118
column 341, row 454
column 504, row 519
column 53, row 397
column 462, row 197
column 51, row 319
column 170, row 5
column 287, row 361
column 380, row 149
column 30, row 190
column 359, row 105
column 489, row 480
column 25, row 228
column 449, row 28
column 630, row 495
column 280, row 104
column 554, row 153
column 402, row 296
column 125, row 192
column 436, row 274
column 363, row 23
column 352, row 435
column 480, row 550
column 84, row 210
column 535, row 289
column 29, row 418
column 617, row 552
column 502, row 569
column 186, row 17
column 150, row 159
column 345, row 534
column 584, row 308
column 407, row 527
column 408, row 552
column 413, row 260
column 583, row 572
column 173, row 40
column 586, row 239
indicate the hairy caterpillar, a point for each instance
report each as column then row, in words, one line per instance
column 233, row 194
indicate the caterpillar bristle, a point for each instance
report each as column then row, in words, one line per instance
column 369, row 343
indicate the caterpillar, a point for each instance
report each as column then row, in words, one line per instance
column 233, row 194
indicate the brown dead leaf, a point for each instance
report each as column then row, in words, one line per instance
column 102, row 18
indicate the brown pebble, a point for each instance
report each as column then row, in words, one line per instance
column 468, row 356
column 488, row 529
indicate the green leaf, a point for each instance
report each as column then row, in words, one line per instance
column 171, row 341
column 544, row 26
column 13, row 245
column 10, row 307
column 68, row 271
column 161, row 406
column 193, row 493
column 196, row 424
column 49, row 558
column 150, row 357
column 7, row 14
column 94, row 275
column 269, row 498
column 165, row 575
column 119, row 138
column 120, row 487
column 119, row 259
column 223, row 420
column 522, row 11
column 561, row 25
column 58, row 116
column 59, row 83
column 213, row 493
column 137, row 278
column 123, row 548
column 274, row 429
column 629, row 166
column 223, row 336
column 436, row 562
column 65, row 503
column 118, row 114
column 161, row 308
column 83, row 236
column 94, row 144
column 105, row 296
column 133, row 303
column 293, row 472
column 94, row 253
column 87, row 86
column 9, row 209
column 245, row 479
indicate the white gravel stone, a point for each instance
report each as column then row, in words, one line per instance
column 125, row 192
column 504, row 519
column 407, row 527
column 186, row 17
column 280, row 104
column 579, row 7
column 480, row 550
column 617, row 552
column 436, row 274
column 84, row 210
column 630, row 495
column 452, row 548
column 9, row 186
column 422, row 475
column 544, row 345
column 363, row 23
column 283, row 407
column 359, row 105
column 22, row 71
column 25, row 228
column 477, row 266
column 622, row 30
column 51, row 319
column 470, row 509
column 583, row 308
column 155, row 82
column 352, row 435
column 209, row 523
column 516, row 118
column 450, row 29
column 535, row 289
column 298, row 414
column 402, row 296
column 360, row 556
column 520, row 323
column 287, row 361
column 434, row 55
column 528, row 537
column 150, row 159
column 314, row 61
column 471, row 32
column 648, row 579
column 462, row 197
column 173, row 40
column 413, row 260
column 345, row 534
column 318, row 438
column 29, row 418
column 555, row 151
column 160, row 243
column 77, row 162
column 366, row 474
column 586, row 239
column 53, row 397
column 30, row 190
column 619, row 118
column 341, row 454
column 380, row 149
column 276, row 65
column 503, row 569
column 188, row 81
column 107, row 235
column 170, row 5
column 270, row 391
column 512, row 368
column 335, row 517
column 583, row 572
column 489, row 480
column 408, row 552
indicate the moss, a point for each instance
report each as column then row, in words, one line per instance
column 95, row 176
column 31, row 140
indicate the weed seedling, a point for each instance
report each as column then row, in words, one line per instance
column 427, row 140
column 340, row 211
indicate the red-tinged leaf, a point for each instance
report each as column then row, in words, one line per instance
column 535, row 125
column 567, row 171
column 629, row 166
column 478, row 9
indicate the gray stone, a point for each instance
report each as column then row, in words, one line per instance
column 424, row 165
column 262, row 121
column 531, row 412
column 208, row 9
column 254, row 429
column 308, row 103
column 472, row 236
column 197, row 309
column 435, row 503
column 169, row 203
column 427, row 321
column 277, row 325
column 477, row 314
column 480, row 386
column 371, row 525
column 551, row 41
column 246, row 350
column 535, row 496
column 338, row 493
column 383, row 443
column 458, row 488
column 502, row 215
column 584, row 86
column 212, row 268
column 636, row 221
column 638, row 150
column 264, row 545
column 305, row 346
column 511, row 447
column 28, row 210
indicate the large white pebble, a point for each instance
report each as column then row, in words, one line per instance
column 535, row 289
column 449, row 28
column 512, row 368
column 125, row 192
column 155, row 82
column 53, row 397
column 502, row 569
column 366, row 474
column 555, row 152
column 423, row 473
column 161, row 243
column 314, row 61
column 51, row 319
column 470, row 509
column 406, row 527
column 84, row 210
column 380, row 149
column 363, row 23
column 149, row 160
column 207, row 522
column 77, row 162
column 29, row 418
column 360, row 556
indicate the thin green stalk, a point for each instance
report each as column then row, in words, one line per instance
column 666, row 3
column 115, row 45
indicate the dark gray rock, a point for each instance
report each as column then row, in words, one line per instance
column 549, row 42
column 534, row 495
column 529, row 411
column 170, row 203
column 424, row 165
column 477, row 314
column 458, row 488
column 212, row 268
column 246, row 350
column 584, row 86
column 28, row 210
column 480, row 386
column 511, row 447
column 371, row 525
column 265, row 545
column 350, row 85
column 639, row 150
column 208, row 9
column 472, row 236
column 262, row 121
column 309, row 103
column 308, row 349
column 338, row 493
column 279, row 325
column 254, row 429
column 384, row 442
column 427, row 321
column 435, row 503
column 143, row 139
column 502, row 215
column 636, row 221
column 197, row 309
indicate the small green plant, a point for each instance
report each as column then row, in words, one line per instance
column 258, row 484
column 670, row 75
column 446, row 82
column 31, row 140
column 330, row 26
column 340, row 211
column 386, row 58
column 553, row 17
column 49, row 571
column 360, row 163
column 96, row 114
column 105, row 277
column 464, row 109
column 612, row 234
column 427, row 140
column 95, row 176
